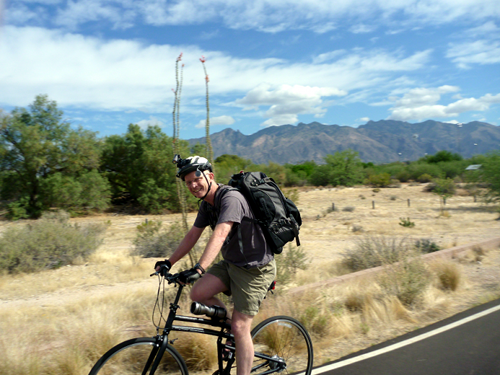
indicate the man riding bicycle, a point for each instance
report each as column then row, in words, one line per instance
column 248, row 265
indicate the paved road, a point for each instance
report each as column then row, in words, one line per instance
column 465, row 344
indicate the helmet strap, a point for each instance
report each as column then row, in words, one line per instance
column 209, row 185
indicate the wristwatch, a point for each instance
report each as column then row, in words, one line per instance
column 197, row 266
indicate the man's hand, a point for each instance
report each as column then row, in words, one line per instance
column 189, row 276
column 163, row 267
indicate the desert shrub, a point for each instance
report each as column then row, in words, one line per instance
column 395, row 183
column 448, row 275
column 292, row 194
column 349, row 209
column 406, row 222
column 418, row 169
column 291, row 260
column 407, row 279
column 453, row 169
column 424, row 178
column 426, row 245
column 48, row 243
column 18, row 209
column 402, row 176
column 370, row 252
column 315, row 320
column 357, row 228
column 153, row 242
column 443, row 187
column 379, row 180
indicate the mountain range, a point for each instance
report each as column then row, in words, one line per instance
column 377, row 141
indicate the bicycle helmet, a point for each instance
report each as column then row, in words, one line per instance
column 191, row 164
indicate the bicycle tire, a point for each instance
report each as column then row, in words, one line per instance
column 130, row 358
column 285, row 338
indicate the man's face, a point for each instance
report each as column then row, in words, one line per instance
column 198, row 185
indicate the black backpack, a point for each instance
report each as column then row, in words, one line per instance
column 277, row 215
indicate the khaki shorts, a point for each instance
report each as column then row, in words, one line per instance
column 247, row 286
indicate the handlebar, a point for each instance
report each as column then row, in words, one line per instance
column 171, row 278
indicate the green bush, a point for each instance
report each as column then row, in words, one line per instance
column 289, row 262
column 425, row 246
column 379, row 180
column 370, row 252
column 315, row 321
column 418, row 169
column 48, row 243
column 407, row 279
column 152, row 242
column 407, row 223
column 424, row 178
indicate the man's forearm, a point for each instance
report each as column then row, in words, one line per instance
column 186, row 244
column 215, row 244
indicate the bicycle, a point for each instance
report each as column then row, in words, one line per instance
column 281, row 343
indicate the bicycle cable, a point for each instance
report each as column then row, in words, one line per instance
column 159, row 303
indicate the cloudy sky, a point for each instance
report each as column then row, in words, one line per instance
column 109, row 63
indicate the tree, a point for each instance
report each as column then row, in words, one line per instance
column 36, row 145
column 343, row 168
column 227, row 165
column 489, row 173
column 445, row 188
column 298, row 174
column 441, row 156
column 140, row 170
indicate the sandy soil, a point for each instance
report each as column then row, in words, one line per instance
column 325, row 234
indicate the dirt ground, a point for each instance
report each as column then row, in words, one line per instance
column 325, row 234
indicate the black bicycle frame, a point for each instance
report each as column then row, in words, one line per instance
column 221, row 334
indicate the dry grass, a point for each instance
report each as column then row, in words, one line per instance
column 61, row 321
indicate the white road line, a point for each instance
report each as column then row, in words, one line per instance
column 375, row 353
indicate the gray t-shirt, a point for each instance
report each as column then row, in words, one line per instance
column 245, row 246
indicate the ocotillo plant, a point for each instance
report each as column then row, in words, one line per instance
column 210, row 154
column 175, row 121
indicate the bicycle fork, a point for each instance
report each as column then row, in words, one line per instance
column 156, row 355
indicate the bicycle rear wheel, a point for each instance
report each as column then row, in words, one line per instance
column 134, row 357
column 285, row 339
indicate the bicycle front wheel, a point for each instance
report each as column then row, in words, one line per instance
column 288, row 344
column 136, row 356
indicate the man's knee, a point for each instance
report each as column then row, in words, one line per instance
column 197, row 294
column 241, row 324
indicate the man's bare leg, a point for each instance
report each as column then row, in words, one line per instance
column 241, row 326
column 205, row 290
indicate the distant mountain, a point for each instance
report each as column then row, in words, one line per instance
column 377, row 141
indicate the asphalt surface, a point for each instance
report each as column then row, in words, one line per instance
column 465, row 344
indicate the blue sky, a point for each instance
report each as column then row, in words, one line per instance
column 109, row 63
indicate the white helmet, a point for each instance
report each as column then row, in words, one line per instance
column 191, row 164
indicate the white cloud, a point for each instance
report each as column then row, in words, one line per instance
column 77, row 70
column 152, row 121
column 421, row 103
column 479, row 45
column 477, row 52
column 82, row 11
column 220, row 120
column 273, row 15
column 287, row 102
column 362, row 28
column 328, row 56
